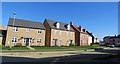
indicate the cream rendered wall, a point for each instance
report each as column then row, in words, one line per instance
column 89, row 40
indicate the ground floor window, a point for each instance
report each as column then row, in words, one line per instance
column 67, row 41
column 60, row 41
column 14, row 39
column 38, row 40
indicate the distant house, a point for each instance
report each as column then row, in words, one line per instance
column 115, row 40
column 96, row 40
column 82, row 37
column 3, row 32
column 59, row 33
column 28, row 33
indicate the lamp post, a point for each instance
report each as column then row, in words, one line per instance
column 12, row 30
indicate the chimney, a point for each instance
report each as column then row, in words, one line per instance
column 84, row 30
column 71, row 23
column 80, row 27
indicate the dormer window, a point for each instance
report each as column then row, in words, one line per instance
column 58, row 25
column 68, row 27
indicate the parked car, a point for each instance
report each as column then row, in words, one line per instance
column 111, row 45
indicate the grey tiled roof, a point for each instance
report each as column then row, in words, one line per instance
column 26, row 23
column 63, row 26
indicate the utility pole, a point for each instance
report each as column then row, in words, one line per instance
column 12, row 30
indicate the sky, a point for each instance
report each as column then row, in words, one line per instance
column 99, row 18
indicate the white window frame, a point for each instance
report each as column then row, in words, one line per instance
column 28, row 29
column 39, row 39
column 55, row 32
column 58, row 25
column 67, row 33
column 39, row 31
column 13, row 38
column 60, row 33
column 15, row 29
column 68, row 27
column 30, row 40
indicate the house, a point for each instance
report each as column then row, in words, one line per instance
column 82, row 37
column 24, row 32
column 96, row 40
column 3, row 32
column 1, row 27
column 58, row 33
column 115, row 40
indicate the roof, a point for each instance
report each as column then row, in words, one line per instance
column 78, row 29
column 1, row 27
column 25, row 23
column 63, row 26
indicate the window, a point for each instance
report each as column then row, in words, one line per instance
column 39, row 31
column 28, row 29
column 67, row 34
column 83, row 41
column 14, row 39
column 15, row 29
column 55, row 32
column 71, row 33
column 68, row 27
column 67, row 41
column 60, row 41
column 24, row 40
column 58, row 25
column 38, row 40
column 60, row 33
column 29, row 40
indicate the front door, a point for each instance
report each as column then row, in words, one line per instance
column 71, row 42
column 55, row 42
column 27, row 41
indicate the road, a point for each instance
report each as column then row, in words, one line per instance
column 62, row 56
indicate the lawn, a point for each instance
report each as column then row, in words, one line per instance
column 65, row 47
column 15, row 48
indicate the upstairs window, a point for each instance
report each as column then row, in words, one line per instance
column 60, row 33
column 67, row 34
column 58, row 25
column 28, row 29
column 39, row 31
column 68, row 27
column 55, row 32
column 14, row 39
column 71, row 33
column 15, row 29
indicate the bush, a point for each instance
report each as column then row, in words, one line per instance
column 18, row 44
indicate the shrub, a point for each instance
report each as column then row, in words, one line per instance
column 18, row 44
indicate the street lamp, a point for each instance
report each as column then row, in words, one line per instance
column 12, row 30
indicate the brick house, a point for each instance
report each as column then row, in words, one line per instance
column 82, row 37
column 28, row 33
column 58, row 33
column 112, row 40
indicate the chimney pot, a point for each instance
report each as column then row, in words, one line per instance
column 71, row 23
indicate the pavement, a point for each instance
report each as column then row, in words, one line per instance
column 61, row 56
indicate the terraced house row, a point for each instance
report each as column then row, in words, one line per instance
column 48, row 33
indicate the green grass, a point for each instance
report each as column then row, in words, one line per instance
column 66, row 47
column 15, row 48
